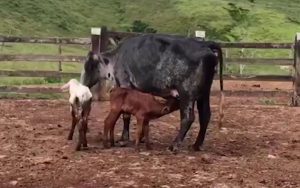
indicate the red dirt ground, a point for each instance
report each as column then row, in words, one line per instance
column 259, row 146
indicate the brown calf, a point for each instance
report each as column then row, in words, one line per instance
column 142, row 105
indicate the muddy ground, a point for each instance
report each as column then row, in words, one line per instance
column 259, row 146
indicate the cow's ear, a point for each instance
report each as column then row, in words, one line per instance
column 91, row 62
column 105, row 60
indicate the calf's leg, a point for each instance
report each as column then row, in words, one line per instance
column 74, row 122
column 85, row 129
column 145, row 133
column 81, row 134
column 125, row 133
column 109, row 124
column 139, row 130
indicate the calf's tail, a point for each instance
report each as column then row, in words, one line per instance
column 65, row 87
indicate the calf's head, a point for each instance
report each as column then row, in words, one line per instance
column 96, row 67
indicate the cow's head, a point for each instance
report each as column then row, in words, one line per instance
column 96, row 67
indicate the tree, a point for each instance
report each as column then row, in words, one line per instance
column 141, row 27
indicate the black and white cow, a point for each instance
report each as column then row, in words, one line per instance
column 158, row 64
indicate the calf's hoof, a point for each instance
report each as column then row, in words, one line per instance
column 142, row 140
column 105, row 145
column 112, row 144
column 137, row 149
column 70, row 138
column 149, row 147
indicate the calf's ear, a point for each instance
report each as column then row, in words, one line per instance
column 166, row 109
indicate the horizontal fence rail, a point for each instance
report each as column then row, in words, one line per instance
column 285, row 78
column 277, row 61
column 47, row 58
column 72, row 58
column 50, row 40
column 256, row 45
column 53, row 90
column 66, row 74
column 38, row 73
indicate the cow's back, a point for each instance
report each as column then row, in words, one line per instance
column 158, row 62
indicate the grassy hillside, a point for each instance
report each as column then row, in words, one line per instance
column 269, row 20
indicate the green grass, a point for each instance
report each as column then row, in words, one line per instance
column 270, row 19
column 45, row 49
column 256, row 69
column 18, row 81
column 42, row 66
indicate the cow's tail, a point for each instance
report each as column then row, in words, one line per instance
column 216, row 47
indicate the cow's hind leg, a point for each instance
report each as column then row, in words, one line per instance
column 204, row 118
column 187, row 117
column 125, row 133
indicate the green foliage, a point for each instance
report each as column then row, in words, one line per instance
column 139, row 26
column 241, row 20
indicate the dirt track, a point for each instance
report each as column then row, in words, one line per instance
column 258, row 147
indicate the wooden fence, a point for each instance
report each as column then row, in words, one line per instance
column 100, row 39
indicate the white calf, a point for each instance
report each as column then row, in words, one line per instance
column 80, row 107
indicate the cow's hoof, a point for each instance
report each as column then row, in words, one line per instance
column 174, row 149
column 78, row 147
column 85, row 148
column 123, row 143
column 70, row 138
column 195, row 148
column 148, row 147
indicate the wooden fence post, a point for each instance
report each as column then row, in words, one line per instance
column 99, row 42
column 200, row 35
column 95, row 39
column 296, row 78
column 59, row 62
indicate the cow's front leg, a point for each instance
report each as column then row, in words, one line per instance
column 187, row 118
column 125, row 133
